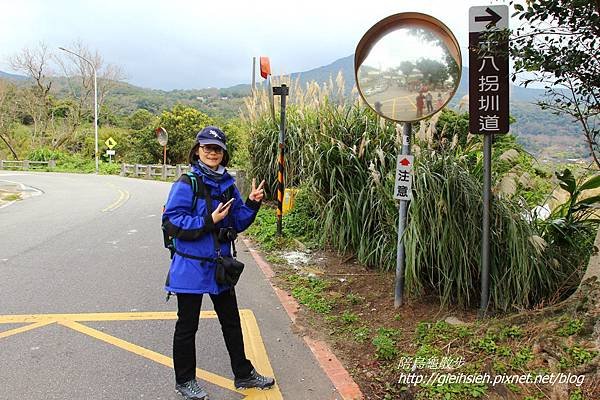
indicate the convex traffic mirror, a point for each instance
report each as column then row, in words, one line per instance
column 407, row 66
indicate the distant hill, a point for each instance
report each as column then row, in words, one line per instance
column 346, row 66
column 542, row 132
column 12, row 77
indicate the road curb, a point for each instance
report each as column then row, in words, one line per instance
column 334, row 369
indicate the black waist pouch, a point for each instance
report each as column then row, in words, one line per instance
column 228, row 271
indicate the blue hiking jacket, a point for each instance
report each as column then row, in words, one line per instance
column 192, row 230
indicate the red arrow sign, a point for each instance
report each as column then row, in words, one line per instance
column 405, row 162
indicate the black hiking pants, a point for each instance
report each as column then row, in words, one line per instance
column 184, row 340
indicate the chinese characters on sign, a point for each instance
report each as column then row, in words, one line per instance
column 402, row 189
column 488, row 71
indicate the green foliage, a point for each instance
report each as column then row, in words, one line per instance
column 572, row 327
column 385, row 344
column 576, row 355
column 309, row 291
column 361, row 334
column 513, row 388
column 344, row 157
column 570, row 229
column 46, row 154
column 349, row 317
column 428, row 332
column 576, row 395
column 512, row 332
column 354, row 299
column 560, row 48
column 264, row 228
column 237, row 143
column 10, row 197
column 141, row 119
column 302, row 221
column 487, row 344
column 452, row 391
column 444, row 238
column 521, row 358
column 182, row 124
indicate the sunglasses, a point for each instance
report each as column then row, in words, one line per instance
column 212, row 148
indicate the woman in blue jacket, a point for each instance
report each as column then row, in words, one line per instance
column 192, row 271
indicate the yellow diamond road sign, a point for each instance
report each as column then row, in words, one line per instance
column 110, row 143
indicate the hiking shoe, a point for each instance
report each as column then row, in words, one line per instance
column 254, row 380
column 191, row 390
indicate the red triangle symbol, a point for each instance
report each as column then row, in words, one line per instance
column 405, row 162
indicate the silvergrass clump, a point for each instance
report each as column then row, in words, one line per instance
column 345, row 155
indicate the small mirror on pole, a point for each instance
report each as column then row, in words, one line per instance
column 163, row 137
column 407, row 66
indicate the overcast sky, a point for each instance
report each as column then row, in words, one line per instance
column 185, row 44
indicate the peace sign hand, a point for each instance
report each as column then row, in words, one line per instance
column 257, row 193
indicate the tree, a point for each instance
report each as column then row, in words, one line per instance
column 434, row 72
column 406, row 67
column 35, row 99
column 80, row 79
column 558, row 45
column 181, row 123
column 8, row 114
column 140, row 119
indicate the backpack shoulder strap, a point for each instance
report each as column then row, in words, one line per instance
column 197, row 187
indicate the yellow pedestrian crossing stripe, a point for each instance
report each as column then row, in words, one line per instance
column 254, row 346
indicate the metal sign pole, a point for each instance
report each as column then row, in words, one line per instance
column 165, row 154
column 488, row 109
column 282, row 91
column 485, row 239
column 400, row 255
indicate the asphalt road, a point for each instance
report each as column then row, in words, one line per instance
column 92, row 244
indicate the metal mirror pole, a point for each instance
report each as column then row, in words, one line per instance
column 485, row 239
column 406, row 133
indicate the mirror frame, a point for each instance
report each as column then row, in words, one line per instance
column 398, row 21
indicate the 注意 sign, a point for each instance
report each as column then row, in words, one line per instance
column 488, row 70
column 403, row 186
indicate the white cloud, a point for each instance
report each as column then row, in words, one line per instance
column 185, row 43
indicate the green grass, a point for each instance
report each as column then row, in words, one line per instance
column 11, row 197
column 385, row 344
column 309, row 291
column 572, row 327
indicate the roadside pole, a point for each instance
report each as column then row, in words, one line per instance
column 283, row 92
column 488, row 109
column 400, row 254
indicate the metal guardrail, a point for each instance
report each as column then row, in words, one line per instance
column 150, row 171
column 26, row 164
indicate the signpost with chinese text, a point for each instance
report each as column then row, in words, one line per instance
column 403, row 187
column 488, row 107
column 488, row 71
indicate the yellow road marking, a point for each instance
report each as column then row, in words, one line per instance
column 149, row 354
column 123, row 197
column 125, row 316
column 254, row 346
column 24, row 328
